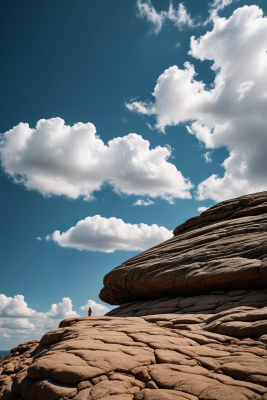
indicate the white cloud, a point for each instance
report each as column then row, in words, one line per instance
column 19, row 322
column 180, row 17
column 201, row 209
column 216, row 6
column 140, row 202
column 230, row 114
column 57, row 159
column 97, row 309
column 110, row 234
column 62, row 310
column 16, row 307
column 243, row 89
column 207, row 157
column 150, row 126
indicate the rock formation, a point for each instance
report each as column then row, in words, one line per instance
column 192, row 322
column 225, row 248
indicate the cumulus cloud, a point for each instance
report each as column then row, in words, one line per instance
column 140, row 202
column 16, row 307
column 110, row 234
column 232, row 112
column 201, row 209
column 19, row 322
column 179, row 17
column 97, row 309
column 57, row 159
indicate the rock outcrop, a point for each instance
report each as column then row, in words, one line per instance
column 225, row 248
column 149, row 358
column 191, row 325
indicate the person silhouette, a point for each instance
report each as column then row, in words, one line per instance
column 89, row 312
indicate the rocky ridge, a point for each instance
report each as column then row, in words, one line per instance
column 198, row 332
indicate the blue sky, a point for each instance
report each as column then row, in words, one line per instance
column 110, row 166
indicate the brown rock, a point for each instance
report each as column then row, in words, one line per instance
column 110, row 388
column 73, row 376
column 143, row 376
column 45, row 389
column 222, row 249
column 83, row 394
column 151, row 385
column 84, row 385
column 163, row 394
column 222, row 392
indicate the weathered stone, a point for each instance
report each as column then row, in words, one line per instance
column 215, row 251
column 48, row 389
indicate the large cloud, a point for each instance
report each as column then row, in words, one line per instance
column 57, row 159
column 232, row 113
column 16, row 307
column 110, row 234
column 19, row 322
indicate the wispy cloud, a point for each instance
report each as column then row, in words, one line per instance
column 140, row 202
column 207, row 157
column 179, row 17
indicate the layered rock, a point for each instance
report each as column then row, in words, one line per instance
column 149, row 358
column 225, row 248
column 212, row 303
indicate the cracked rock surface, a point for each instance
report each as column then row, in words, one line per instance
column 224, row 248
column 136, row 358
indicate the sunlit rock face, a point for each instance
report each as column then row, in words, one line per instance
column 222, row 249
column 151, row 358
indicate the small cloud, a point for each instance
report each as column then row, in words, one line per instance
column 140, row 202
column 150, row 126
column 178, row 44
column 207, row 157
column 38, row 238
column 124, row 120
column 243, row 89
column 201, row 209
column 109, row 234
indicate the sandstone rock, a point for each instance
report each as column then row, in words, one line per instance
column 48, row 389
column 162, row 394
column 84, row 385
column 83, row 394
column 218, row 250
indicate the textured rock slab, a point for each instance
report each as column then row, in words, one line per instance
column 202, row 304
column 224, row 248
column 102, row 358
